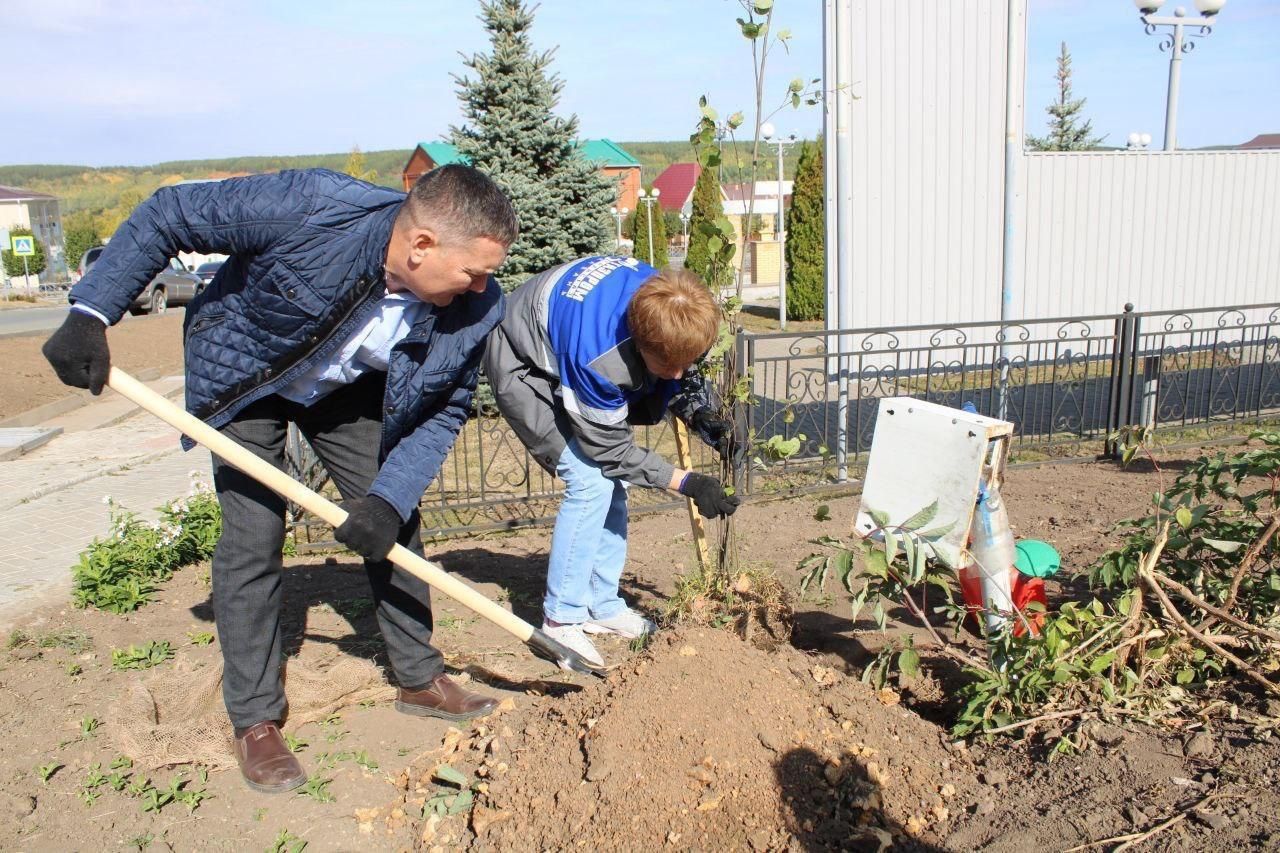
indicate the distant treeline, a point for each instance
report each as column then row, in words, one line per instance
column 106, row 192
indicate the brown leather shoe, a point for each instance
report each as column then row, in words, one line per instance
column 265, row 760
column 443, row 698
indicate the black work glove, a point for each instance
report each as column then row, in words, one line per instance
column 78, row 352
column 717, row 432
column 708, row 495
column 371, row 527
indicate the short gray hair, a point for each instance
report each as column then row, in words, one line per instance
column 462, row 202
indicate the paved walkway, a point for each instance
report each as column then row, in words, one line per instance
column 52, row 499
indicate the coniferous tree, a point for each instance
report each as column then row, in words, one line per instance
column 357, row 167
column 641, row 230
column 1064, row 132
column 806, row 224
column 707, row 208
column 512, row 135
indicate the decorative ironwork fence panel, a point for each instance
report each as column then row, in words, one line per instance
column 1058, row 380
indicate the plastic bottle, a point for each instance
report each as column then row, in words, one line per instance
column 994, row 552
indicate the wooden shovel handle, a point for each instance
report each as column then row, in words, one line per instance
column 281, row 483
column 695, row 519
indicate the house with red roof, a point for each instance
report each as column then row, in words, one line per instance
column 1262, row 140
column 610, row 158
column 676, row 186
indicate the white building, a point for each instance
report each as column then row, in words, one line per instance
column 22, row 208
column 925, row 86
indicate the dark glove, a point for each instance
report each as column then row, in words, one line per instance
column 708, row 495
column 717, row 432
column 78, row 352
column 371, row 527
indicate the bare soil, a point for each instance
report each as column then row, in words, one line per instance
column 136, row 344
column 698, row 741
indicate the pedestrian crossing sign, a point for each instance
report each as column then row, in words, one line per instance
column 23, row 245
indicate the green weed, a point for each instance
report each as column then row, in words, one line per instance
column 152, row 654
column 287, row 842
column 317, row 789
column 120, row 573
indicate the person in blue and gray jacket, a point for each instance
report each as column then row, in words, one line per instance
column 587, row 350
column 357, row 313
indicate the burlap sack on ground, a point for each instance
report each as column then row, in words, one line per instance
column 177, row 717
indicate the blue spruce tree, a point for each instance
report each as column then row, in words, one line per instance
column 512, row 135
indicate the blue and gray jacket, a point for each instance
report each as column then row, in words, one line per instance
column 305, row 271
column 563, row 366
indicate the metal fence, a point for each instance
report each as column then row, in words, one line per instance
column 1063, row 379
column 1058, row 380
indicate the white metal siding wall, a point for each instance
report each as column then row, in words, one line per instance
column 1160, row 230
column 1093, row 230
column 927, row 137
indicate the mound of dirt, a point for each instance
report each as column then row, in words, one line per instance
column 707, row 742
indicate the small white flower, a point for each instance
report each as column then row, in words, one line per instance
column 106, row 499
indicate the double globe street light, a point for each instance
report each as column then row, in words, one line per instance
column 767, row 133
column 1176, row 45
column 648, row 200
column 619, row 214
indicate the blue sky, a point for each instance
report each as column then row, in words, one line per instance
column 1230, row 88
column 134, row 82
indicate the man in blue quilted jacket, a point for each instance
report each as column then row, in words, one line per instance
column 355, row 312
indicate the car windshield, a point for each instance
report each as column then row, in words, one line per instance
column 209, row 267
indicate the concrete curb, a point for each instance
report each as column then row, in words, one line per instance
column 40, row 414
column 84, row 478
column 36, row 440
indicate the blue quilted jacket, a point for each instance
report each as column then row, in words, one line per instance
column 305, row 270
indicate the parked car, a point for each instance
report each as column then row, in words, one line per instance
column 86, row 261
column 207, row 270
column 175, row 285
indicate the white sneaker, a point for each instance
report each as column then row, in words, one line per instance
column 571, row 636
column 628, row 623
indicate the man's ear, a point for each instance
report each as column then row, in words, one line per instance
column 421, row 242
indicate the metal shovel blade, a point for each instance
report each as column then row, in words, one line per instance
column 561, row 655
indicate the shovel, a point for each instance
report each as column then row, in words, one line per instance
column 685, row 457
column 276, row 480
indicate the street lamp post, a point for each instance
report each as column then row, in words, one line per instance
column 649, row 199
column 619, row 214
column 1174, row 43
column 767, row 131
column 684, row 228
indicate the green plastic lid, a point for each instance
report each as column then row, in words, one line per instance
column 1037, row 559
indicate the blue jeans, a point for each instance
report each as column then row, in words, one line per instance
column 589, row 544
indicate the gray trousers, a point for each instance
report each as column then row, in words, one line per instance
column 345, row 430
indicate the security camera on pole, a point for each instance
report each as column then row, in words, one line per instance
column 1173, row 42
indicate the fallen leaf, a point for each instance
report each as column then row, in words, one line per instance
column 482, row 819
column 429, row 828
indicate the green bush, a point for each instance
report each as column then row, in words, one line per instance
column 17, row 266
column 119, row 574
